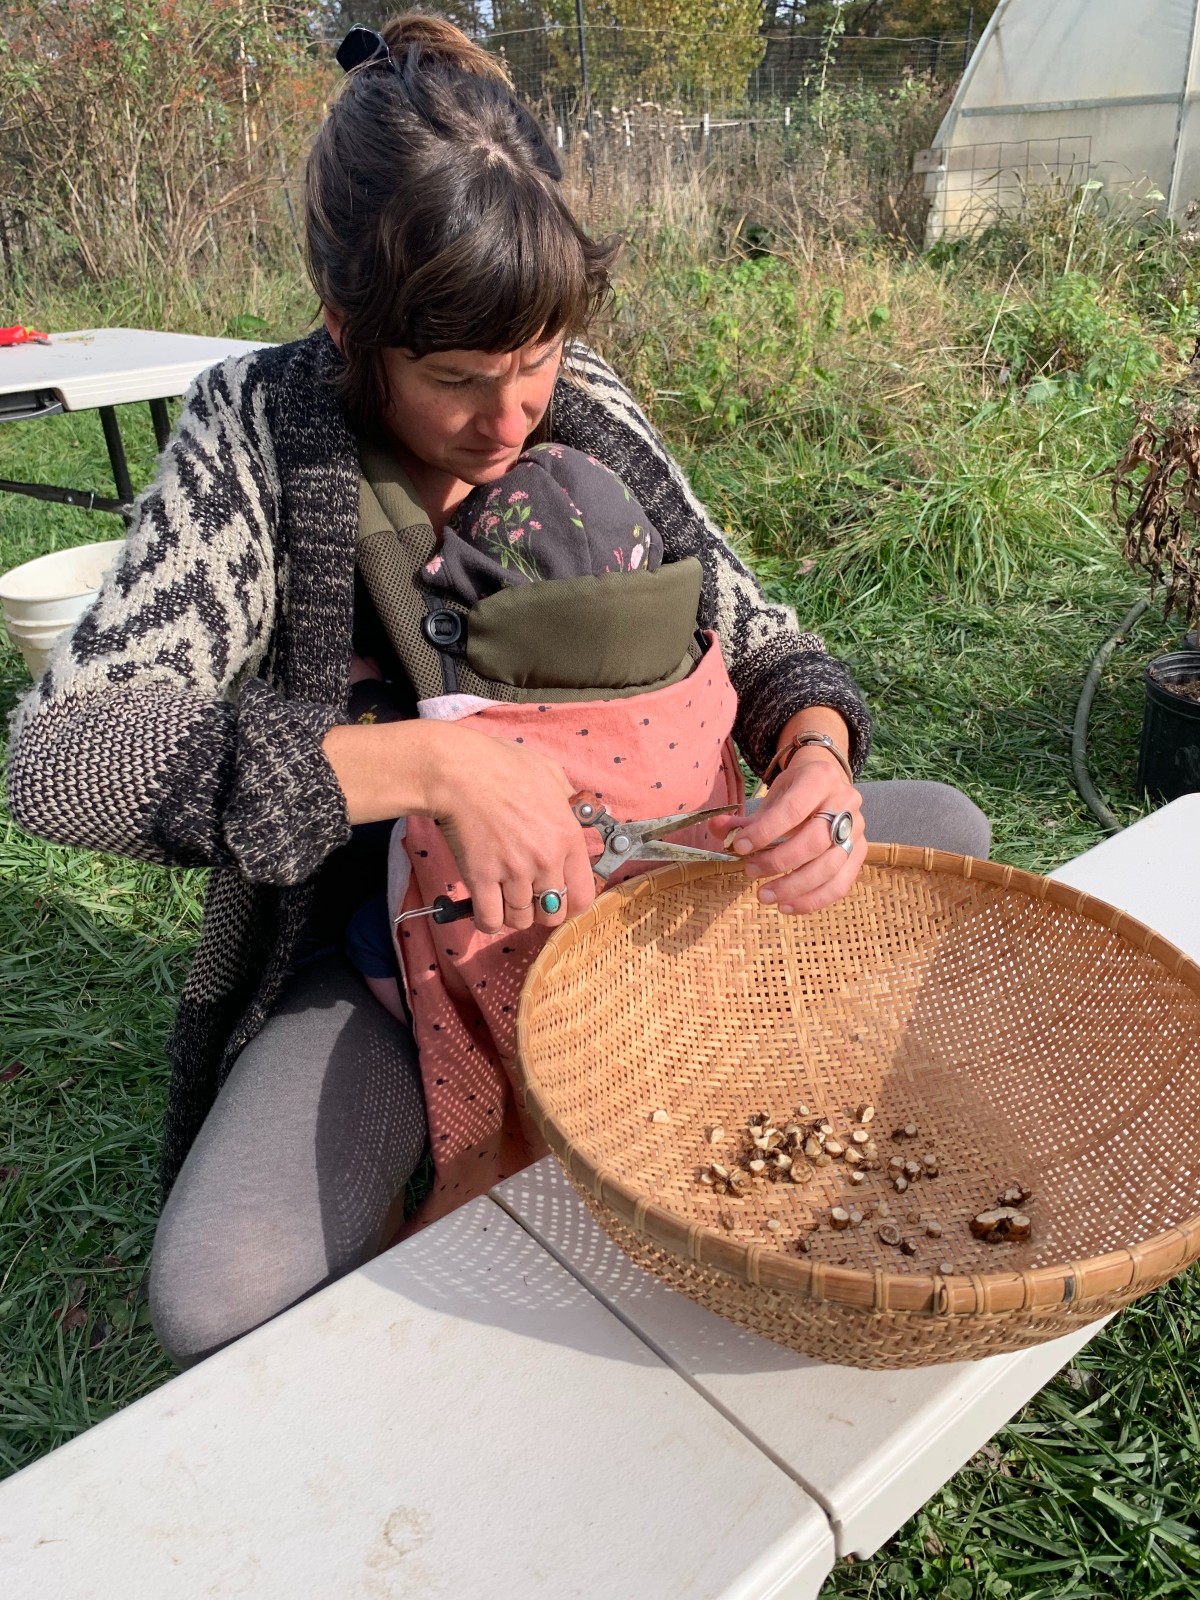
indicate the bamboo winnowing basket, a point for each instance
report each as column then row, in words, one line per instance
column 1033, row 1034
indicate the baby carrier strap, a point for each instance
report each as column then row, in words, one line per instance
column 395, row 540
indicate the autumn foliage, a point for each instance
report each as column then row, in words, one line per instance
column 135, row 135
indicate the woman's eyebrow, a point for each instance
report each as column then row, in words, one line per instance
column 443, row 371
column 455, row 372
column 553, row 349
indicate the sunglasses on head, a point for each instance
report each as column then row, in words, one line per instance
column 363, row 47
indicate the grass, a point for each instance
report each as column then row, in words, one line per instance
column 92, row 952
column 911, row 453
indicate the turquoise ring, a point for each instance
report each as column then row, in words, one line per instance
column 551, row 900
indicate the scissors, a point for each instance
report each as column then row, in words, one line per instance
column 622, row 841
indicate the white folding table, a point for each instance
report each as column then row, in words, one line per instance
column 505, row 1405
column 460, row 1418
column 99, row 369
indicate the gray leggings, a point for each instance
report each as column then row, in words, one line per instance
column 294, row 1177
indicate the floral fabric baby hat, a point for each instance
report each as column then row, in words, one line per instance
column 556, row 514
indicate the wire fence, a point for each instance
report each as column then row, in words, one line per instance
column 974, row 185
column 625, row 66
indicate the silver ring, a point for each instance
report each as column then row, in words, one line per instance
column 551, row 900
column 512, row 906
column 841, row 829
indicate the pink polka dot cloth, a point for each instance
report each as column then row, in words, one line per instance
column 649, row 755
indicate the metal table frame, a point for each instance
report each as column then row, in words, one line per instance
column 30, row 403
column 98, row 369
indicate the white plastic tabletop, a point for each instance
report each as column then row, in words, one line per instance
column 113, row 366
column 458, row 1418
column 1151, row 870
column 871, row 1447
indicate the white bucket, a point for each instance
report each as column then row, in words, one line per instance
column 45, row 597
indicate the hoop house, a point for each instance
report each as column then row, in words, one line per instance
column 1068, row 91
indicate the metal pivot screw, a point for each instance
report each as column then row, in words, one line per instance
column 620, row 843
column 586, row 811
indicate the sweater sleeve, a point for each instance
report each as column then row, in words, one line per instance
column 151, row 733
column 776, row 669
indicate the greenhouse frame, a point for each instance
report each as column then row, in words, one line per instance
column 1071, row 92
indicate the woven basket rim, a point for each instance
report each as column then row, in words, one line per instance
column 1037, row 1289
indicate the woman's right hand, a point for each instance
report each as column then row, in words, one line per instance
column 503, row 810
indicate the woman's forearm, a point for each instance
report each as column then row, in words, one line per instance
column 821, row 720
column 390, row 769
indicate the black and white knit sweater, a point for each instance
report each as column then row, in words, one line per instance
column 182, row 720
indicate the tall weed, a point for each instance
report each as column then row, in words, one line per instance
column 917, row 425
column 146, row 139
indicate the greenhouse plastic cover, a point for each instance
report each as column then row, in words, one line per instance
column 1072, row 91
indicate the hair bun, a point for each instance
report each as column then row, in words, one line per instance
column 439, row 40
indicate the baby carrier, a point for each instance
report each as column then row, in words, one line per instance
column 607, row 675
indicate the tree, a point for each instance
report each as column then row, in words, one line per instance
column 469, row 15
column 930, row 19
column 664, row 49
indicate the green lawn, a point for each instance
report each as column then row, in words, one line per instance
column 971, row 639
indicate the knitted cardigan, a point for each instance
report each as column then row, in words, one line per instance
column 182, row 720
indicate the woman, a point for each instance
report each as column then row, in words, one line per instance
column 198, row 714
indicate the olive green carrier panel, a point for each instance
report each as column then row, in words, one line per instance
column 587, row 638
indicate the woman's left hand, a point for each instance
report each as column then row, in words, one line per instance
column 784, row 839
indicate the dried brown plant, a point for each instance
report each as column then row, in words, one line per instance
column 1156, row 495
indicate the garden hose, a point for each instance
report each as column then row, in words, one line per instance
column 1079, row 736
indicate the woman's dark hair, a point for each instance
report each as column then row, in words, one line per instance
column 433, row 214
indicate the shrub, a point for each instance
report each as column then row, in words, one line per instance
column 1069, row 340
column 132, row 127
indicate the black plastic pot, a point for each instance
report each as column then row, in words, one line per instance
column 1169, row 760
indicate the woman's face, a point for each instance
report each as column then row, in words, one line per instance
column 467, row 413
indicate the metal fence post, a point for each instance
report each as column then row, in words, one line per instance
column 583, row 72
column 587, row 95
column 9, row 273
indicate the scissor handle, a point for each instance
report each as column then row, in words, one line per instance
column 588, row 807
column 443, row 909
column 447, row 910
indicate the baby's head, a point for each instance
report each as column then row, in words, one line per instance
column 557, row 514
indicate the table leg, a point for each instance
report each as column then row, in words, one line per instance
column 85, row 499
column 116, row 456
column 162, row 423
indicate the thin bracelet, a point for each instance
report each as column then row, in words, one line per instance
column 783, row 758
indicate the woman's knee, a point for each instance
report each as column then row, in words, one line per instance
column 932, row 816
column 211, row 1281
column 293, row 1176
column 193, row 1315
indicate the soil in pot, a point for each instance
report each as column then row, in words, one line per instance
column 1187, row 688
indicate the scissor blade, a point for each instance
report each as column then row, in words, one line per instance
column 664, row 850
column 658, row 826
